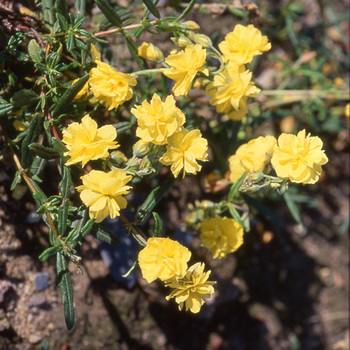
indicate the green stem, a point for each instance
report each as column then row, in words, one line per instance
column 147, row 72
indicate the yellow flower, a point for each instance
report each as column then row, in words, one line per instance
column 299, row 158
column 110, row 86
column 230, row 89
column 163, row 258
column 83, row 92
column 183, row 150
column 150, row 52
column 191, row 290
column 243, row 43
column 251, row 156
column 184, row 66
column 347, row 110
column 103, row 193
column 236, row 168
column 158, row 120
column 87, row 142
column 221, row 236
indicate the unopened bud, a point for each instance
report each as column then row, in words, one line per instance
column 201, row 39
column 201, row 83
column 150, row 52
column 181, row 41
column 256, row 176
column 140, row 148
column 191, row 25
column 117, row 159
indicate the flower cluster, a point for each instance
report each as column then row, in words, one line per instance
column 296, row 158
column 167, row 260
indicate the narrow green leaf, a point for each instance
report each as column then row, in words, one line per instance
column 66, row 182
column 110, row 13
column 62, row 10
column 151, row 201
column 49, row 252
column 79, row 6
column 69, row 95
column 24, row 97
column 104, row 235
column 44, row 152
column 234, row 213
column 130, row 270
column 152, row 7
column 158, row 225
column 66, row 289
column 78, row 235
column 4, row 108
column 17, row 179
column 293, row 208
column 31, row 136
column 187, row 10
column 234, row 188
column 47, row 7
column 133, row 51
column 63, row 217
column 62, row 21
column 34, row 51
column 37, row 167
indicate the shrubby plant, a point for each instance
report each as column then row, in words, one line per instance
column 51, row 111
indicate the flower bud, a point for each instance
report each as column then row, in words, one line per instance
column 191, row 25
column 150, row 52
column 140, row 148
column 201, row 39
column 117, row 159
column 181, row 41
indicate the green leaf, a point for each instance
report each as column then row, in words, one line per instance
column 62, row 11
column 49, row 252
column 104, row 235
column 152, row 7
column 24, row 97
column 66, row 182
column 31, row 136
column 63, row 217
column 35, row 51
column 158, row 225
column 133, row 51
column 79, row 6
column 44, row 152
column 17, row 179
column 234, row 213
column 66, row 289
column 187, row 10
column 234, row 188
column 151, row 201
column 293, row 208
column 68, row 96
column 4, row 108
column 110, row 13
column 78, row 235
column 62, row 21
column 47, row 7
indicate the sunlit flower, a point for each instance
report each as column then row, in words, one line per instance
column 87, row 142
column 221, row 236
column 251, row 156
column 299, row 158
column 150, row 52
column 163, row 258
column 158, row 120
column 110, row 86
column 83, row 92
column 183, row 150
column 103, row 192
column 184, row 66
column 230, row 89
column 243, row 43
column 192, row 289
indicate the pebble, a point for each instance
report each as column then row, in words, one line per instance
column 41, row 281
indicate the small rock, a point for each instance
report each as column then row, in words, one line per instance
column 7, row 292
column 34, row 339
column 38, row 301
column 41, row 281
